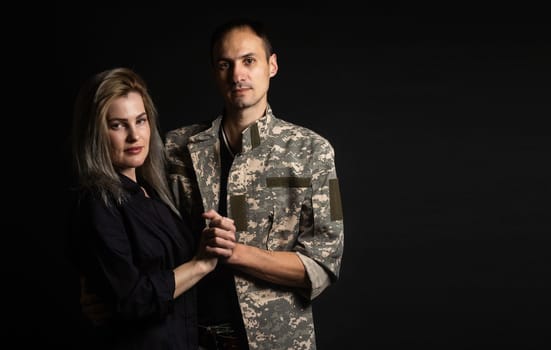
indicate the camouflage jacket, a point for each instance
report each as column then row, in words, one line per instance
column 283, row 195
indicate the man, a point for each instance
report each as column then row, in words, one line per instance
column 277, row 182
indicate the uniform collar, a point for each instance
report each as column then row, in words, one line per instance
column 257, row 132
column 252, row 136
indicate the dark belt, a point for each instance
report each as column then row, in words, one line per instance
column 220, row 337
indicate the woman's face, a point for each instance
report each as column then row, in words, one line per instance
column 129, row 132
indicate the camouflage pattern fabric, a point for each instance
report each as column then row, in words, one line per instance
column 283, row 195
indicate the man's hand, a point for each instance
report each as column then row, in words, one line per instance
column 218, row 238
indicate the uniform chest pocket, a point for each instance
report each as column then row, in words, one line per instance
column 288, row 194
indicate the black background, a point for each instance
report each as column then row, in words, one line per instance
column 437, row 114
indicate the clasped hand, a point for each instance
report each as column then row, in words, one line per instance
column 218, row 238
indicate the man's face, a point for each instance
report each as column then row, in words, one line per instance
column 241, row 69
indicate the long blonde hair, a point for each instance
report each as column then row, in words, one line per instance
column 90, row 143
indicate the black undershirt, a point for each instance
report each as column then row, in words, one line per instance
column 217, row 296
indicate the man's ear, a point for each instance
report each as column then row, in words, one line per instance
column 273, row 65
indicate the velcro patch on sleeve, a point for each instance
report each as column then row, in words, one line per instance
column 335, row 200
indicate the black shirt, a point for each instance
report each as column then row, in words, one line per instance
column 127, row 254
column 217, row 296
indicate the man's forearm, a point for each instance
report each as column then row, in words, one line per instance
column 282, row 268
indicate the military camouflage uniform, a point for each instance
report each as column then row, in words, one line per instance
column 283, row 195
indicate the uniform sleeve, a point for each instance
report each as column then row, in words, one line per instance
column 319, row 279
column 109, row 268
column 322, row 230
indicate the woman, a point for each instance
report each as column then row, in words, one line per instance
column 128, row 240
